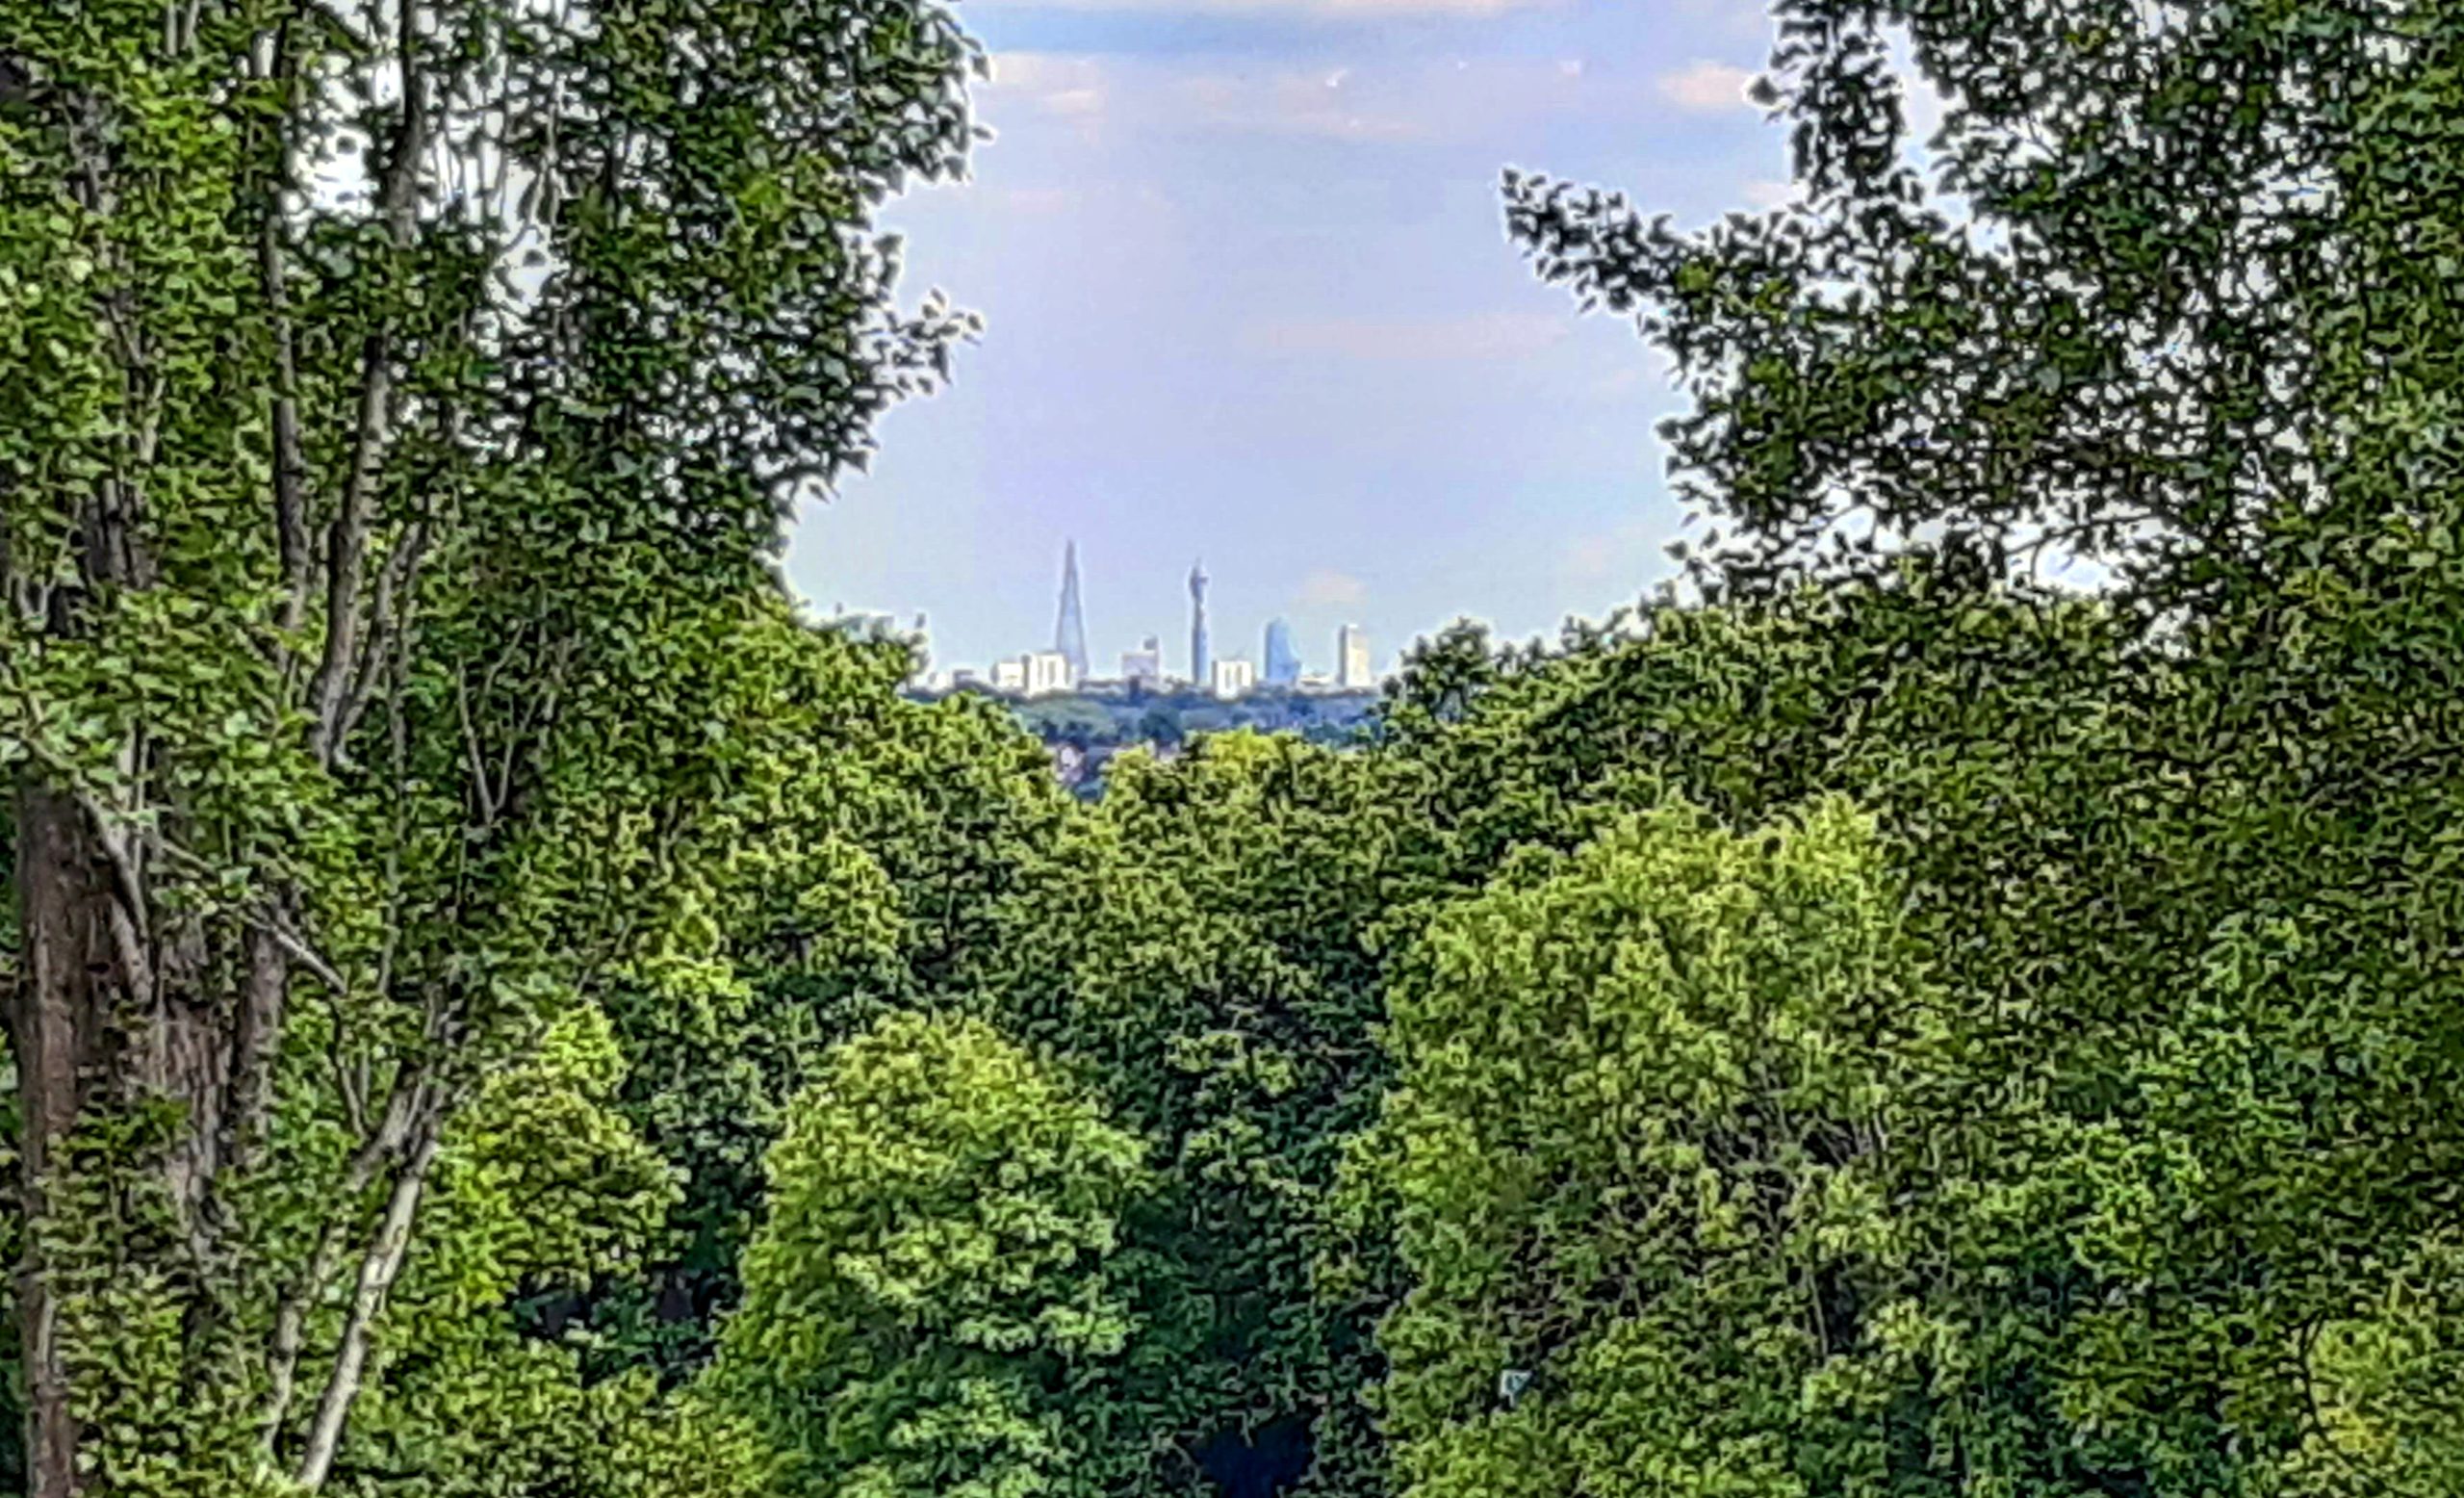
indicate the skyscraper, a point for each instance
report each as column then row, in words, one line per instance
column 1283, row 662
column 1199, row 657
column 1069, row 633
column 1351, row 658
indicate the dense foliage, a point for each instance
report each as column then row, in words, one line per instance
column 929, row 1307
column 502, row 1006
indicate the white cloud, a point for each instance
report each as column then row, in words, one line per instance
column 1074, row 102
column 1481, row 335
column 1330, row 97
column 1040, row 73
column 1328, row 589
column 1070, row 88
column 1088, row 91
column 1744, row 20
column 1707, row 86
column 1290, row 102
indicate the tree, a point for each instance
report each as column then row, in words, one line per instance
column 1198, row 947
column 862, row 852
column 2197, row 310
column 353, row 547
column 1634, row 1144
column 540, row 1183
column 2190, row 332
column 932, row 1302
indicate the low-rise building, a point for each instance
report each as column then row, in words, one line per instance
column 1144, row 666
column 1046, row 671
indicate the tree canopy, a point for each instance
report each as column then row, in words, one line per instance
column 501, row 1004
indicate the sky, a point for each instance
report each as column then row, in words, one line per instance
column 1249, row 298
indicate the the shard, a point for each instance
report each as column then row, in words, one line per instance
column 1069, row 633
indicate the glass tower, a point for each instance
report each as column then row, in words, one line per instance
column 1283, row 662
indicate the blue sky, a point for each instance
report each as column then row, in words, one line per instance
column 1248, row 296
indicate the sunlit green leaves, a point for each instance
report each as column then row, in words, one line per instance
column 1633, row 1150
column 934, row 1276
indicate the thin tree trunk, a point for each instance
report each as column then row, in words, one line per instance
column 377, row 1268
column 291, row 1313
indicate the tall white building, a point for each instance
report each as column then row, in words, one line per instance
column 1009, row 675
column 1047, row 671
column 1352, row 658
column 1230, row 678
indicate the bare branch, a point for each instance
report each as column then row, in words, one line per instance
column 291, row 515
column 132, row 929
column 474, row 752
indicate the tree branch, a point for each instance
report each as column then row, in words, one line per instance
column 474, row 752
column 347, row 544
column 395, row 579
column 292, row 944
column 290, row 1312
column 377, row 1266
column 291, row 515
column 132, row 929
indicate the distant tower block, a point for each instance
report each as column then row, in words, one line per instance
column 1283, row 662
column 1202, row 659
column 1352, row 658
column 1069, row 633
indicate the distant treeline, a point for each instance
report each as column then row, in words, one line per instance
column 1085, row 730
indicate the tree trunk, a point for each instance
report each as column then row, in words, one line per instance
column 114, row 1009
column 71, row 979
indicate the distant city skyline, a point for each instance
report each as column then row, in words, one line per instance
column 1092, row 645
column 1248, row 297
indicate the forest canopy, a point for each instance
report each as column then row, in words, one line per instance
column 503, row 1004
